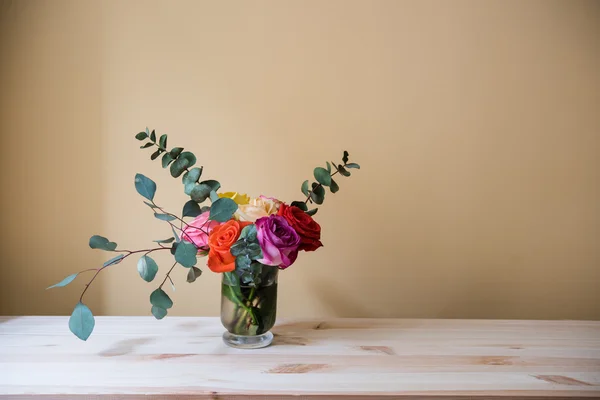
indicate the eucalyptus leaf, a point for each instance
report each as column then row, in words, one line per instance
column 165, row 217
column 317, row 194
column 176, row 236
column 222, row 210
column 155, row 155
column 179, row 166
column 185, row 254
column 343, row 170
column 145, row 186
column 191, row 209
column 312, row 212
column 176, row 151
column 200, row 193
column 300, row 204
column 147, row 268
column 163, row 141
column 352, row 165
column 114, row 260
column 322, row 176
column 214, row 196
column 150, row 205
column 193, row 274
column 188, row 187
column 159, row 298
column 305, row 188
column 141, row 136
column 190, row 157
column 169, row 240
column 158, row 312
column 153, row 136
column 334, row 186
column 64, row 282
column 192, row 175
column 166, row 160
column 345, row 157
column 149, row 144
column 328, row 166
column 102, row 243
column 204, row 209
column 215, row 185
column 82, row 322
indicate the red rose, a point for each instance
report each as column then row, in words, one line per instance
column 305, row 226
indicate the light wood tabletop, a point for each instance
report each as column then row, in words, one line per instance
column 184, row 358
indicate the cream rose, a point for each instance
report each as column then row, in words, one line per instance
column 257, row 208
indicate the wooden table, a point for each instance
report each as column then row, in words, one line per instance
column 184, row 358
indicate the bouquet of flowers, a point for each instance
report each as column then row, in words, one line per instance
column 246, row 239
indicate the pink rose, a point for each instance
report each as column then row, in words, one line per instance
column 192, row 232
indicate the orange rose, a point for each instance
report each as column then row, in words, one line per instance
column 220, row 241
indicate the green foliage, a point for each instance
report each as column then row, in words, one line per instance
column 200, row 193
column 322, row 176
column 165, row 217
column 213, row 197
column 176, row 236
column 345, row 157
column 179, row 166
column 246, row 250
column 64, row 282
column 312, row 212
column 152, row 206
column 318, row 193
column 328, row 167
column 82, row 321
column 343, row 170
column 163, row 141
column 158, row 312
column 304, row 188
column 155, row 155
column 114, row 260
column 160, row 299
column 102, row 243
column 147, row 268
column 215, row 185
column 222, row 210
column 190, row 157
column 166, row 160
column 175, row 152
column 169, row 240
column 185, row 254
column 149, row 144
column 153, row 136
column 300, row 204
column 334, row 186
column 191, row 209
column 352, row 165
column 141, row 136
column 192, row 175
column 193, row 274
column 145, row 186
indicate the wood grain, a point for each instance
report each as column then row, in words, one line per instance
column 184, row 358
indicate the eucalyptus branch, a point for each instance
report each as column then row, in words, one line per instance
column 179, row 219
column 167, row 276
column 98, row 270
column 319, row 186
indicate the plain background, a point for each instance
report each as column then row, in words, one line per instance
column 477, row 124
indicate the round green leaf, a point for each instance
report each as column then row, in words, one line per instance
column 147, row 268
column 300, row 204
column 179, row 166
column 193, row 273
column 322, row 176
column 200, row 193
column 153, row 136
column 161, row 299
column 163, row 141
column 318, row 193
column 304, row 188
column 102, row 243
column 352, row 165
column 64, row 282
column 176, row 151
column 312, row 212
column 185, row 254
column 191, row 209
column 141, row 136
column 222, row 210
column 114, row 260
column 192, row 175
column 215, row 185
column 158, row 312
column 343, row 170
column 165, row 217
column 189, row 156
column 334, row 186
column 166, row 160
column 82, row 321
column 145, row 186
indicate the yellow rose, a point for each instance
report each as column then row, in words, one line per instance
column 257, row 208
column 237, row 197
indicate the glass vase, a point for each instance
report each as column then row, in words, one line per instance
column 249, row 308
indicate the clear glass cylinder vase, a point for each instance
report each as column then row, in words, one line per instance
column 249, row 308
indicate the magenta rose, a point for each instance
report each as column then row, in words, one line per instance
column 278, row 241
column 192, row 232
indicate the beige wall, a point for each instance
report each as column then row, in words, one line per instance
column 477, row 125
